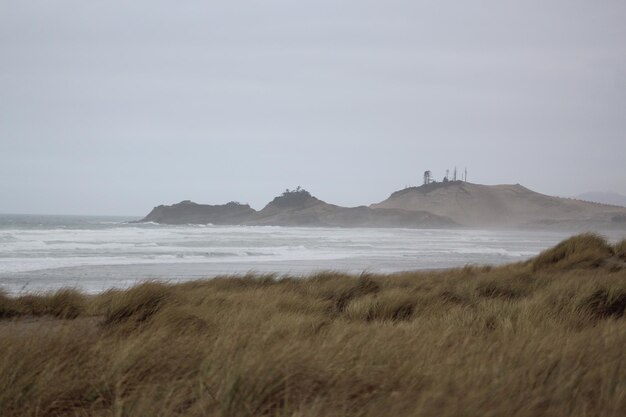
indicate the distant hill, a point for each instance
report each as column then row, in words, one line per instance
column 299, row 208
column 436, row 205
column 188, row 212
column 295, row 208
column 476, row 205
column 604, row 198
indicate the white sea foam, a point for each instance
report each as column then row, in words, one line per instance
column 91, row 253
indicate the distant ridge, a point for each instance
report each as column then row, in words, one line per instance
column 508, row 205
column 435, row 205
column 295, row 208
column 614, row 199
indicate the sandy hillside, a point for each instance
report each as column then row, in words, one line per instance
column 479, row 205
column 302, row 209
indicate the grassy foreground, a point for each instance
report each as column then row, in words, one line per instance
column 546, row 337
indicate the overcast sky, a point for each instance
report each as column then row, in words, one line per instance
column 111, row 107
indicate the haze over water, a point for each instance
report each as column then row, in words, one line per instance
column 95, row 253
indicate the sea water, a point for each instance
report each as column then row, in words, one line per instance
column 41, row 253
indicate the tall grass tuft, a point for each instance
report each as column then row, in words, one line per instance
column 66, row 303
column 8, row 306
column 620, row 249
column 363, row 286
column 138, row 304
column 584, row 250
column 605, row 303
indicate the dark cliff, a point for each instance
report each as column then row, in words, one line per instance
column 187, row 212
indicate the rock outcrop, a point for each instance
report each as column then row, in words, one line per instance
column 187, row 212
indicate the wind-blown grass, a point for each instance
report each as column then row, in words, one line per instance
column 620, row 250
column 544, row 337
column 585, row 250
column 66, row 303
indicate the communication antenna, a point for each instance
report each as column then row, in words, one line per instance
column 465, row 176
column 454, row 175
column 427, row 177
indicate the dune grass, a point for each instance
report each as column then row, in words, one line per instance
column 620, row 250
column 585, row 250
column 66, row 303
column 544, row 337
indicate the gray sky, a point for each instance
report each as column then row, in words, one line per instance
column 111, row 107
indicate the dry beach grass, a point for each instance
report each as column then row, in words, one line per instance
column 544, row 337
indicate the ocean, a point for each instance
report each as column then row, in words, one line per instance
column 43, row 253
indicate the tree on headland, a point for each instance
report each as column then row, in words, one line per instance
column 427, row 177
column 297, row 190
